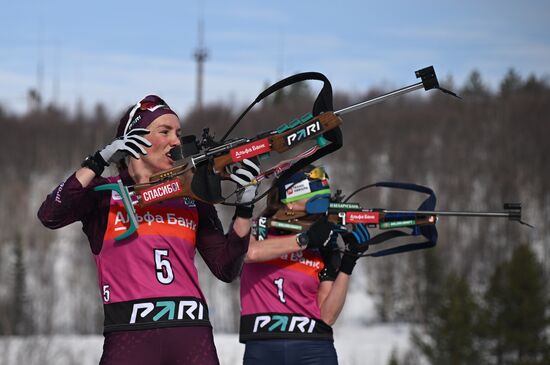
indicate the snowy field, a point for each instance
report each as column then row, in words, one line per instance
column 364, row 345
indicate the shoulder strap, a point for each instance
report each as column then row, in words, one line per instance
column 323, row 103
column 427, row 231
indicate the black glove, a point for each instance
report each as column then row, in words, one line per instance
column 130, row 144
column 244, row 173
column 331, row 258
column 318, row 235
column 356, row 245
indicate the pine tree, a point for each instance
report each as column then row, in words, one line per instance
column 432, row 283
column 511, row 83
column 393, row 358
column 451, row 332
column 18, row 287
column 475, row 88
column 516, row 319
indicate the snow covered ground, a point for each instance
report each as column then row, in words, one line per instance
column 359, row 338
column 355, row 345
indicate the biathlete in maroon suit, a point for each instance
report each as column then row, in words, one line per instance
column 291, row 292
column 155, row 311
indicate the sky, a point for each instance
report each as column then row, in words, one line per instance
column 118, row 51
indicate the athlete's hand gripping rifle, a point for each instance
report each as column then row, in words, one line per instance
column 202, row 166
column 420, row 222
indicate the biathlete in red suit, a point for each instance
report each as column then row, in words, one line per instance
column 155, row 311
column 291, row 290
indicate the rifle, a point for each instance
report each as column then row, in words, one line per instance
column 201, row 164
column 392, row 223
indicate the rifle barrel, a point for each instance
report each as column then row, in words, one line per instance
column 453, row 213
column 380, row 98
column 203, row 156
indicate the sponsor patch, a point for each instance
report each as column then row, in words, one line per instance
column 58, row 193
column 148, row 218
column 363, row 217
column 303, row 133
column 267, row 326
column 161, row 191
column 261, row 229
column 165, row 310
column 297, row 189
column 284, row 323
column 250, row 150
column 155, row 313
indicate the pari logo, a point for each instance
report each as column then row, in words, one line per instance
column 303, row 133
column 168, row 310
column 261, row 228
column 283, row 323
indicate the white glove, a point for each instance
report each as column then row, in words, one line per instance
column 130, row 144
column 244, row 173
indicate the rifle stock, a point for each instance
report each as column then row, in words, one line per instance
column 168, row 185
column 279, row 142
column 179, row 168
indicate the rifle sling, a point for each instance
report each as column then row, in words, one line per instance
column 428, row 231
column 388, row 235
column 323, row 103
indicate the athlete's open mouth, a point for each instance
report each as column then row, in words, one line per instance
column 168, row 155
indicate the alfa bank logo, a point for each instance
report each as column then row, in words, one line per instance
column 250, row 150
column 363, row 217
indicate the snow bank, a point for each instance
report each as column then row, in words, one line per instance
column 355, row 345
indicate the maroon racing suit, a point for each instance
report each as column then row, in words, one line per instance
column 155, row 311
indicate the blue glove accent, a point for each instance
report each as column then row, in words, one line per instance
column 362, row 228
column 361, row 233
column 340, row 228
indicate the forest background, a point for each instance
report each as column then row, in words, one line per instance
column 476, row 153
